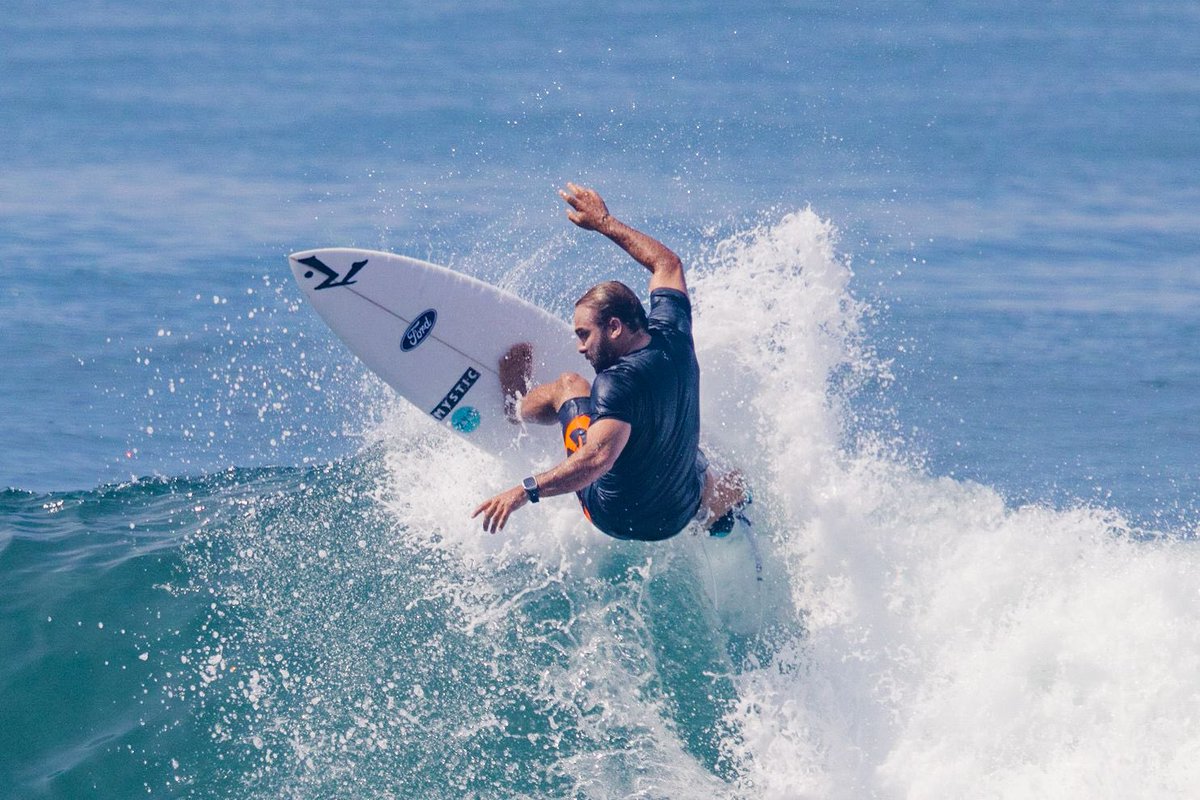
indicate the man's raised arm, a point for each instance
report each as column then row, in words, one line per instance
column 590, row 213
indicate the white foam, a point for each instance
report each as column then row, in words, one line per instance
column 953, row 646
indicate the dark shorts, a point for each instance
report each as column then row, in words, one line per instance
column 575, row 417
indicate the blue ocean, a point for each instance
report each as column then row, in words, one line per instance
column 945, row 259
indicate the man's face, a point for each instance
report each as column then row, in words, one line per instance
column 595, row 340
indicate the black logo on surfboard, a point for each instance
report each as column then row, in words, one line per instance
column 332, row 278
column 419, row 330
column 456, row 394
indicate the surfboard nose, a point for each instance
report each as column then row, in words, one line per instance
column 296, row 262
column 325, row 268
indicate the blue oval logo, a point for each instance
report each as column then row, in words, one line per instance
column 419, row 330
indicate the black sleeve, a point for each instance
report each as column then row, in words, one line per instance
column 612, row 396
column 670, row 309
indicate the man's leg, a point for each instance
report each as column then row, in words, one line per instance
column 539, row 404
column 542, row 403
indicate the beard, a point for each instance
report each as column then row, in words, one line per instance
column 605, row 356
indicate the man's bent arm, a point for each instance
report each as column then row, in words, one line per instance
column 591, row 213
column 605, row 441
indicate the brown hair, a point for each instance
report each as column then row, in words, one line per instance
column 615, row 299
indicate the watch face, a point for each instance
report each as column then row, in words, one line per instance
column 531, row 488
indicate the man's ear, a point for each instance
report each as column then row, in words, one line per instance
column 615, row 328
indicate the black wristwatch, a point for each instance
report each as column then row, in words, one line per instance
column 531, row 489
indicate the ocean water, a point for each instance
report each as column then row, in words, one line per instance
column 944, row 264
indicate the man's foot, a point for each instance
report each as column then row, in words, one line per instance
column 725, row 493
column 516, row 371
column 722, row 526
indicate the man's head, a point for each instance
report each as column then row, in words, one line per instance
column 610, row 322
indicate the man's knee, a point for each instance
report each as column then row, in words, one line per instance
column 572, row 385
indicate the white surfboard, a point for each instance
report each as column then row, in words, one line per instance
column 434, row 335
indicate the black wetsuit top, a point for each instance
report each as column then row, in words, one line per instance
column 653, row 490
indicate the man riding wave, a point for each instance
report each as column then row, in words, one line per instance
column 632, row 436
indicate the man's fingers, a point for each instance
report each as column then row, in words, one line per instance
column 494, row 515
column 498, row 509
column 577, row 195
column 488, row 510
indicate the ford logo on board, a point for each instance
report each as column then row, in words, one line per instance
column 419, row 330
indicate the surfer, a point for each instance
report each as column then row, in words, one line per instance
column 632, row 436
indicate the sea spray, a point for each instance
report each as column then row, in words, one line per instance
column 614, row 665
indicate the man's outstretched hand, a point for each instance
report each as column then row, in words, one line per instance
column 589, row 211
column 498, row 509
